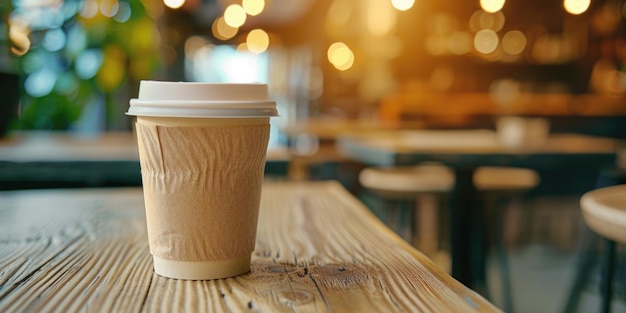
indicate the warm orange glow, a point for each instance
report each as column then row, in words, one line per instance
column 402, row 5
column 486, row 41
column 235, row 15
column 381, row 17
column 253, row 7
column 340, row 55
column 514, row 42
column 436, row 44
column 460, row 43
column 492, row 6
column 173, row 4
column 483, row 20
column 576, row 7
column 193, row 44
column 346, row 65
column 339, row 12
column 222, row 31
column 242, row 47
column 257, row 41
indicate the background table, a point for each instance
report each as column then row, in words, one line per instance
column 63, row 159
column 318, row 249
column 466, row 150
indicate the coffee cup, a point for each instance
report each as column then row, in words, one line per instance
column 202, row 149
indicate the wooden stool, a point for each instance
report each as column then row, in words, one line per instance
column 512, row 180
column 591, row 243
column 419, row 186
column 604, row 212
column 493, row 183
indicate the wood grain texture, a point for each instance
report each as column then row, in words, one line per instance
column 318, row 250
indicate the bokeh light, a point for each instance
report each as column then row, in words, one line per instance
column 174, row 4
column 223, row 31
column 34, row 61
column 242, row 47
column 253, row 7
column 442, row 23
column 505, row 91
column 484, row 20
column 460, row 43
column 486, row 41
column 235, row 15
column 257, row 41
column 576, row 7
column 89, row 9
column 381, row 17
column 113, row 70
column 402, row 5
column 340, row 56
column 339, row 13
column 88, row 63
column 54, row 40
column 144, row 35
column 492, row 6
column 193, row 44
column 76, row 41
column 66, row 84
column 514, row 42
column 109, row 8
column 40, row 83
column 70, row 9
column 123, row 13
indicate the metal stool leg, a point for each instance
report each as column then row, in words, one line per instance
column 588, row 258
column 505, row 273
column 607, row 275
column 404, row 222
column 480, row 249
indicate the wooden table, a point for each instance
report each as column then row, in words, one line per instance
column 464, row 151
column 64, row 159
column 318, row 250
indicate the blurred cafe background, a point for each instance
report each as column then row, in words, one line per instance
column 69, row 67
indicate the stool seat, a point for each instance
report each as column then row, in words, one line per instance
column 604, row 211
column 408, row 180
column 410, row 198
column 491, row 178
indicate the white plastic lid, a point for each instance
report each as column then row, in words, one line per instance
column 195, row 99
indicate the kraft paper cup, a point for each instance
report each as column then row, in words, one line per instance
column 202, row 150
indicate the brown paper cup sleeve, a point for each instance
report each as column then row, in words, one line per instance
column 202, row 188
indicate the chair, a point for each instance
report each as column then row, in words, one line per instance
column 495, row 184
column 604, row 212
column 408, row 187
column 421, row 185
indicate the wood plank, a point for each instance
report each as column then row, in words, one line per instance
column 318, row 250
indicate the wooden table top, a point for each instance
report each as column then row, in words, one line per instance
column 465, row 151
column 318, row 249
column 332, row 128
column 32, row 159
column 405, row 147
column 33, row 146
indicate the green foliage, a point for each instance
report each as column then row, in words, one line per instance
column 124, row 60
